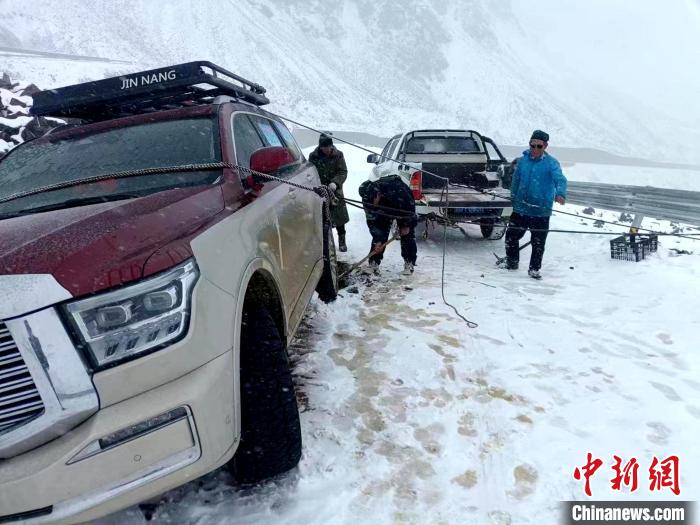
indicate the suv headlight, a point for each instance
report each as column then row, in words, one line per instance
column 126, row 323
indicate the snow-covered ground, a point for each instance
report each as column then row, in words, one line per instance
column 409, row 416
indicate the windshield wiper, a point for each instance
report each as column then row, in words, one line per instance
column 71, row 203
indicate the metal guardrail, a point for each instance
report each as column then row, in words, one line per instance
column 660, row 203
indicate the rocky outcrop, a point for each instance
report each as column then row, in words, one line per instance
column 16, row 124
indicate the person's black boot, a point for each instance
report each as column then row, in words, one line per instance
column 341, row 243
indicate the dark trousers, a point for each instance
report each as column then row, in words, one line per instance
column 517, row 226
column 340, row 228
column 380, row 230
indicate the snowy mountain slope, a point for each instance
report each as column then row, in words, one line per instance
column 590, row 75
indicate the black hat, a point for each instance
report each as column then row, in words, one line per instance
column 325, row 140
column 368, row 191
column 538, row 134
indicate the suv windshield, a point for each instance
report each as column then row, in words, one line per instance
column 151, row 145
column 442, row 145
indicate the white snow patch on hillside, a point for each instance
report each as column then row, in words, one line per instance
column 16, row 122
column 500, row 67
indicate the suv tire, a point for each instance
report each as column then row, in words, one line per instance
column 327, row 287
column 270, row 429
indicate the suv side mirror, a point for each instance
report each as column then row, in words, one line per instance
column 269, row 160
column 373, row 158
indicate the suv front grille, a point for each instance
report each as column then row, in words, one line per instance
column 19, row 398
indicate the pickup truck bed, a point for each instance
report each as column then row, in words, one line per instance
column 473, row 165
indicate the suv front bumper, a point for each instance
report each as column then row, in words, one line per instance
column 72, row 479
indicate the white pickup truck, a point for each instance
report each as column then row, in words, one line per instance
column 478, row 175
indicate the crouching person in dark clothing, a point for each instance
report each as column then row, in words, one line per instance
column 386, row 200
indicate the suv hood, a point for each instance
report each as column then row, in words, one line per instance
column 94, row 247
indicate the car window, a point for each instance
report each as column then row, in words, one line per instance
column 491, row 151
column 73, row 157
column 389, row 146
column 267, row 131
column 246, row 139
column 383, row 154
column 436, row 144
column 391, row 153
column 288, row 139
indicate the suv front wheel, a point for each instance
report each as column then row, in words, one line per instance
column 270, row 428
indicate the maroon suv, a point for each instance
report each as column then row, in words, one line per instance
column 152, row 275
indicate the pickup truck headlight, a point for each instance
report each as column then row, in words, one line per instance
column 126, row 323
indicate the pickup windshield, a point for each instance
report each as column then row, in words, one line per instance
column 78, row 156
column 430, row 144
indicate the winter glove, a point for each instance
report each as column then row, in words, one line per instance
column 332, row 186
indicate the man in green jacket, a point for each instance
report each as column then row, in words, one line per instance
column 330, row 164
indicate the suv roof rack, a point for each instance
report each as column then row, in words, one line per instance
column 171, row 87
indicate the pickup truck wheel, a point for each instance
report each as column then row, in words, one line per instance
column 486, row 226
column 492, row 229
column 270, row 429
column 327, row 287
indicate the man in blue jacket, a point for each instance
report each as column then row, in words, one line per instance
column 537, row 183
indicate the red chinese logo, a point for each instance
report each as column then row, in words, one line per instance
column 626, row 475
column 662, row 473
column 588, row 470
